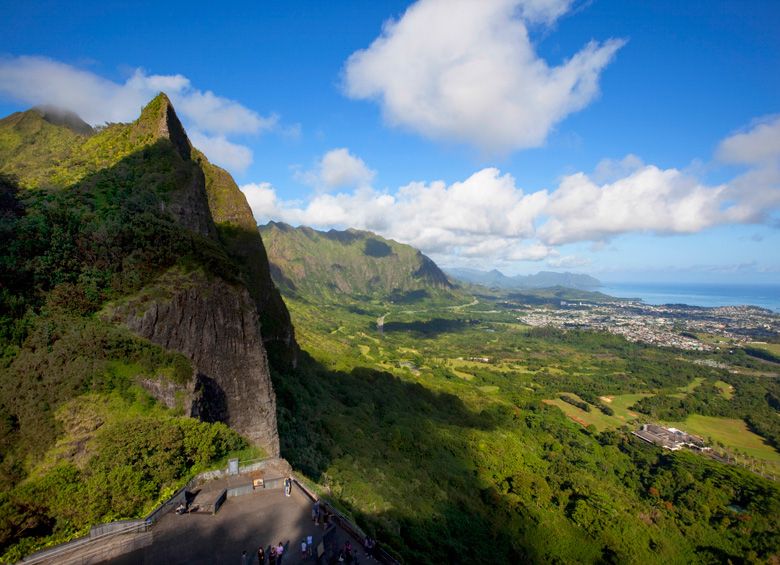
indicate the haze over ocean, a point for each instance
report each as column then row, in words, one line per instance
column 698, row 294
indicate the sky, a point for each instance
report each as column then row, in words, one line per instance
column 627, row 139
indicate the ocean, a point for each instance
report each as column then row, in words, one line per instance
column 698, row 294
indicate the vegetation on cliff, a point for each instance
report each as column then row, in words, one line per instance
column 336, row 265
column 89, row 217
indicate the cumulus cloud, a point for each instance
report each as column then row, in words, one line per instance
column 230, row 155
column 488, row 217
column 759, row 145
column 338, row 168
column 483, row 215
column 263, row 201
column 649, row 199
column 40, row 80
column 466, row 70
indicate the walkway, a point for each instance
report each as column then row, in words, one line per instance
column 243, row 523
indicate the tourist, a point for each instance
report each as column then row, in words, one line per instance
column 304, row 548
column 279, row 552
column 272, row 556
column 315, row 511
column 261, row 555
column 244, row 558
column 309, row 544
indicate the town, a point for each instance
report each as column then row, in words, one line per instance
column 669, row 325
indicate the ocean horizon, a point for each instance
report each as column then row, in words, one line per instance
column 698, row 294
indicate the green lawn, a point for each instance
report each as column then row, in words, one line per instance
column 732, row 433
column 596, row 417
column 725, row 389
column 773, row 348
column 622, row 404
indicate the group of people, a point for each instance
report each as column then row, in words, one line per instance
column 307, row 547
column 320, row 515
column 345, row 555
column 369, row 544
column 275, row 554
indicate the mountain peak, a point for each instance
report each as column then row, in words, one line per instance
column 61, row 117
column 161, row 118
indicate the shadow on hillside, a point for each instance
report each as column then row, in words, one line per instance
column 405, row 447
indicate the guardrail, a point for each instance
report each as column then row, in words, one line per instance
column 93, row 544
column 345, row 523
column 57, row 554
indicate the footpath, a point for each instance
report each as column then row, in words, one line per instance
column 229, row 513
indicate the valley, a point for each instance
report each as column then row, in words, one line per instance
column 145, row 339
column 536, row 474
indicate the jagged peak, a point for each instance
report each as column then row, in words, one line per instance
column 160, row 116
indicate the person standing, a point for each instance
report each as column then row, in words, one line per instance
column 244, row 558
column 260, row 555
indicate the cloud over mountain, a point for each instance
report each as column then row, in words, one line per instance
column 210, row 118
column 487, row 215
column 466, row 70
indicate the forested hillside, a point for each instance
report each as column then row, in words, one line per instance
column 111, row 238
column 339, row 265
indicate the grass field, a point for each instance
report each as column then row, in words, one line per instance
column 622, row 404
column 725, row 389
column 773, row 348
column 732, row 433
column 595, row 417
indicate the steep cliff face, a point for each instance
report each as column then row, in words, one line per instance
column 229, row 322
column 239, row 234
column 228, row 331
column 216, row 325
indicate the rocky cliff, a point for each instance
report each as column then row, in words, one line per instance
column 216, row 325
column 207, row 292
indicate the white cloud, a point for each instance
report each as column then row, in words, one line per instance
column 610, row 170
column 488, row 217
column 759, row 145
column 263, row 201
column 224, row 153
column 466, row 70
column 649, row 199
column 220, row 115
column 484, row 215
column 544, row 11
column 534, row 252
column 338, row 168
column 40, row 80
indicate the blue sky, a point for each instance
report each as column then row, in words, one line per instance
column 627, row 139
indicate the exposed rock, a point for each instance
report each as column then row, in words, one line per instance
column 173, row 395
column 216, row 326
column 238, row 232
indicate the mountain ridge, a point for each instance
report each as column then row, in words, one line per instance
column 195, row 227
column 542, row 279
column 349, row 262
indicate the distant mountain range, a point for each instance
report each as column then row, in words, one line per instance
column 310, row 263
column 542, row 279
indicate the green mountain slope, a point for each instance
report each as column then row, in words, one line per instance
column 310, row 263
column 123, row 250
